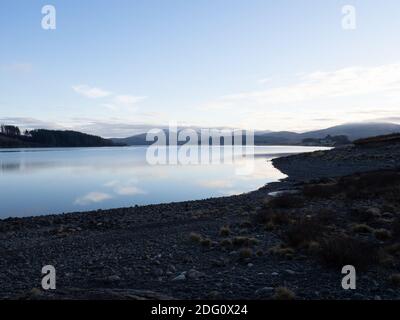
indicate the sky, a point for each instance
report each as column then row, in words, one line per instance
column 118, row 67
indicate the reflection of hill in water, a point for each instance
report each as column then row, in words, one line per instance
column 22, row 166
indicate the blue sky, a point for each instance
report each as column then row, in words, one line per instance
column 114, row 67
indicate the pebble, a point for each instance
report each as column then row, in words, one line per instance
column 194, row 274
column 358, row 296
column 181, row 277
column 264, row 291
column 158, row 272
column 113, row 278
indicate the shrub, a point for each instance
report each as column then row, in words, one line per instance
column 287, row 201
column 259, row 253
column 269, row 217
column 393, row 249
column 313, row 247
column 282, row 293
column 362, row 215
column 302, row 232
column 225, row 243
column 245, row 253
column 394, row 279
column 322, row 190
column 225, row 231
column 386, row 259
column 244, row 241
column 240, row 241
column 245, row 224
column 372, row 180
column 339, row 251
column 396, row 228
column 382, row 234
column 362, row 228
column 195, row 237
column 206, row 242
column 326, row 216
column 281, row 251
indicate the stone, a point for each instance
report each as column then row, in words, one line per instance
column 113, row 278
column 266, row 291
column 181, row 277
column 374, row 211
column 158, row 272
column 194, row 274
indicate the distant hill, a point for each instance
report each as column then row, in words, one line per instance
column 352, row 131
column 356, row 131
column 137, row 140
column 53, row 138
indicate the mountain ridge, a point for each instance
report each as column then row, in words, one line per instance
column 353, row 131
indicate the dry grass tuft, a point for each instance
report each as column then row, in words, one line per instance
column 195, row 237
column 206, row 242
column 339, row 251
column 245, row 253
column 382, row 234
column 282, row 293
column 286, row 201
column 225, row 243
column 303, row 232
column 362, row 228
column 394, row 279
column 225, row 231
column 281, row 251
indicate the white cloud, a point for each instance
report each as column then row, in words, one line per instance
column 265, row 80
column 129, row 191
column 93, row 197
column 215, row 184
column 352, row 81
column 127, row 99
column 336, row 95
column 125, row 188
column 30, row 123
column 115, row 102
column 91, row 92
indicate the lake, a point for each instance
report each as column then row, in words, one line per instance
column 57, row 180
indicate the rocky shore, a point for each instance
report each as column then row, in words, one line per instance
column 238, row 247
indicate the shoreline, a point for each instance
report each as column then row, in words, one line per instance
column 148, row 251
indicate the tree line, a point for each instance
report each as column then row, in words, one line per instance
column 52, row 138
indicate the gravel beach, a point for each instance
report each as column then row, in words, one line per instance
column 152, row 252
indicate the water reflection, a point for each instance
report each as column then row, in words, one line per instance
column 44, row 181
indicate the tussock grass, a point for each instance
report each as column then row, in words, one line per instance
column 394, row 279
column 382, row 234
column 303, row 232
column 362, row 228
column 225, row 231
column 195, row 237
column 286, row 201
column 338, row 251
column 206, row 242
column 245, row 253
column 283, row 293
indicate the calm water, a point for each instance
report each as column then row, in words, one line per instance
column 46, row 181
